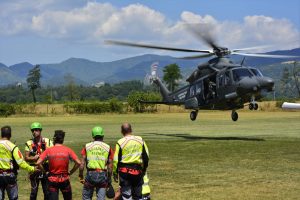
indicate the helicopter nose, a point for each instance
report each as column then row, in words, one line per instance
column 266, row 83
column 247, row 85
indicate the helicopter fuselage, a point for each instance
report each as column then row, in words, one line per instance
column 226, row 89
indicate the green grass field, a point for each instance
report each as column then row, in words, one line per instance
column 257, row 157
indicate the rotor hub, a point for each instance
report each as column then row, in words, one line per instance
column 221, row 51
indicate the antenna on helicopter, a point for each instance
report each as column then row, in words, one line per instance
column 243, row 61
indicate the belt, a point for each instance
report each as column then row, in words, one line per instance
column 97, row 170
column 59, row 175
column 6, row 171
column 130, row 171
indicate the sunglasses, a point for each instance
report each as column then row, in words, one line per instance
column 36, row 129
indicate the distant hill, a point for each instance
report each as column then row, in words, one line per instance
column 86, row 72
column 7, row 76
column 21, row 69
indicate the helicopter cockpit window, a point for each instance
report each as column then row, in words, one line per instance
column 256, row 72
column 240, row 73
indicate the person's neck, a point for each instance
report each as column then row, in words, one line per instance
column 5, row 138
column 38, row 139
column 58, row 144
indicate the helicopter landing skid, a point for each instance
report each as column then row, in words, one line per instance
column 193, row 115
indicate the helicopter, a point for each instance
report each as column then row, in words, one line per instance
column 218, row 84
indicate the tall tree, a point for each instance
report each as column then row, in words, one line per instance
column 33, row 80
column 284, row 81
column 171, row 75
column 71, row 87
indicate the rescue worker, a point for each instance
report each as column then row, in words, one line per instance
column 10, row 160
column 145, row 190
column 96, row 156
column 33, row 149
column 59, row 174
column 130, row 163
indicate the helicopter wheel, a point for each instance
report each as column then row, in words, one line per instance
column 255, row 106
column 234, row 116
column 193, row 115
column 251, row 106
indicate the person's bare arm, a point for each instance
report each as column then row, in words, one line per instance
column 76, row 166
column 39, row 164
column 81, row 167
column 29, row 158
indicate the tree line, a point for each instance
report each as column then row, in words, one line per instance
column 289, row 87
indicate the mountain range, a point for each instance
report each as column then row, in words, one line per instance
column 87, row 72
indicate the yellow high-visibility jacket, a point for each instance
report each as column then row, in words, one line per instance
column 9, row 152
column 37, row 148
column 131, row 150
column 146, row 187
column 97, row 155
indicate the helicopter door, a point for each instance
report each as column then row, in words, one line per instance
column 210, row 88
column 191, row 101
column 224, row 84
column 221, row 85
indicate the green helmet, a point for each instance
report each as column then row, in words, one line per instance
column 35, row 125
column 97, row 130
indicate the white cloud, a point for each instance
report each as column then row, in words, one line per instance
column 91, row 22
column 134, row 21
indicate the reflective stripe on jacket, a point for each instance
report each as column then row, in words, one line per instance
column 36, row 148
column 129, row 150
column 97, row 154
column 8, row 151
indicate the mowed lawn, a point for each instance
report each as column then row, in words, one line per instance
column 257, row 157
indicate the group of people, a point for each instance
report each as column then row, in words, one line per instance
column 47, row 162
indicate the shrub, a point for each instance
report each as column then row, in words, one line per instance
column 6, row 110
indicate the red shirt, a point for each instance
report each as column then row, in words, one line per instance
column 58, row 157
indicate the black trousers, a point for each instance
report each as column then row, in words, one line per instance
column 131, row 185
column 35, row 180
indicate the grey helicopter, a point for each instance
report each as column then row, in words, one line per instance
column 218, row 84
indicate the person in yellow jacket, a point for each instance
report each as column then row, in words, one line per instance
column 96, row 156
column 10, row 160
column 33, row 149
column 130, row 163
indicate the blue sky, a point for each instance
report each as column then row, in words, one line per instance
column 51, row 31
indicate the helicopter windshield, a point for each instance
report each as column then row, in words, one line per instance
column 240, row 73
column 256, row 72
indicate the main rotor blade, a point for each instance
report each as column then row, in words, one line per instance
column 203, row 32
column 264, row 55
column 252, row 48
column 197, row 56
column 122, row 43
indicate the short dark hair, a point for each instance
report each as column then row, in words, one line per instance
column 59, row 136
column 6, row 132
column 98, row 138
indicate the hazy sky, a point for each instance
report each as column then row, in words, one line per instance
column 51, row 31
